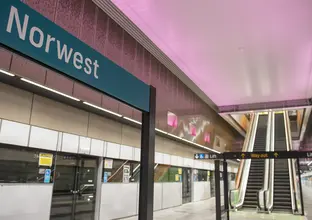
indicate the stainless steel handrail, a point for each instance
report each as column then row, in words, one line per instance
column 261, row 200
column 246, row 168
column 293, row 169
column 269, row 193
column 245, row 148
column 293, row 202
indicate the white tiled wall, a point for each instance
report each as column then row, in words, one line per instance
column 112, row 150
column 98, row 147
column 126, row 152
column 14, row 133
column 24, row 135
column 70, row 143
column 84, row 145
column 43, row 138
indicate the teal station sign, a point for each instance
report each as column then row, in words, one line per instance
column 25, row 30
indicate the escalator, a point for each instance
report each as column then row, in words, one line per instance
column 282, row 191
column 256, row 172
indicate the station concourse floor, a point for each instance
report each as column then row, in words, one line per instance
column 205, row 210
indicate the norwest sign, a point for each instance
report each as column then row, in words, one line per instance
column 28, row 32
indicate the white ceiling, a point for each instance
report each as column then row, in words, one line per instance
column 236, row 51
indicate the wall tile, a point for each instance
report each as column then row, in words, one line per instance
column 59, row 82
column 43, row 138
column 112, row 150
column 137, row 154
column 126, row 152
column 104, row 129
column 5, row 59
column 28, row 69
column 131, row 136
column 54, row 115
column 84, row 145
column 70, row 143
column 14, row 133
column 97, row 148
column 15, row 103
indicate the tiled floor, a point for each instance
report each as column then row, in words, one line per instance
column 205, row 210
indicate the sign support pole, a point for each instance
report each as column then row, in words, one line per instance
column 300, row 185
column 146, row 196
column 226, row 189
column 217, row 188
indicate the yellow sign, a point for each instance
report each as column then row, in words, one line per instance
column 259, row 156
column 45, row 159
column 180, row 171
column 177, row 178
column 279, row 112
column 208, row 173
column 275, row 154
column 263, row 113
column 243, row 155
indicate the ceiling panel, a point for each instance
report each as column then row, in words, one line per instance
column 237, row 51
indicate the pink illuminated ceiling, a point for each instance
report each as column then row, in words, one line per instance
column 236, row 51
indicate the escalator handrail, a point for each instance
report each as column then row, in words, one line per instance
column 260, row 194
column 292, row 167
column 269, row 193
column 293, row 202
column 245, row 173
column 244, row 149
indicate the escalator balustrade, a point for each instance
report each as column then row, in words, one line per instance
column 282, row 192
column 256, row 172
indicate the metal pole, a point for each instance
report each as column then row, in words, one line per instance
column 300, row 185
column 226, row 189
column 98, row 188
column 217, row 188
column 146, row 196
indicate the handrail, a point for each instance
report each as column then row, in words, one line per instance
column 260, row 194
column 293, row 169
column 242, row 187
column 269, row 193
column 244, row 149
column 293, row 202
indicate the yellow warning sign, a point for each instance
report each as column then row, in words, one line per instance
column 45, row 159
column 180, row 171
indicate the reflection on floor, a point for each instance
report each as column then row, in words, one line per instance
column 206, row 210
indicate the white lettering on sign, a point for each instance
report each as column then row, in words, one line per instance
column 37, row 39
column 213, row 156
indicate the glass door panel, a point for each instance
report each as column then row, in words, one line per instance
column 186, row 186
column 64, row 188
column 74, row 188
column 86, row 189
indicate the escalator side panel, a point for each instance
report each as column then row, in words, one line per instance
column 282, row 192
column 256, row 172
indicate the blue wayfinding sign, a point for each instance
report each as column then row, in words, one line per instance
column 25, row 30
column 47, row 176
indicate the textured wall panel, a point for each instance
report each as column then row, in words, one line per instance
column 89, row 23
column 15, row 103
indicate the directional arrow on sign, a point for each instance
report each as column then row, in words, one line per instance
column 275, row 154
column 196, row 156
column 243, row 155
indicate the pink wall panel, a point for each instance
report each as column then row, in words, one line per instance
column 84, row 20
column 5, row 59
column 59, row 82
column 28, row 69
column 87, row 32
